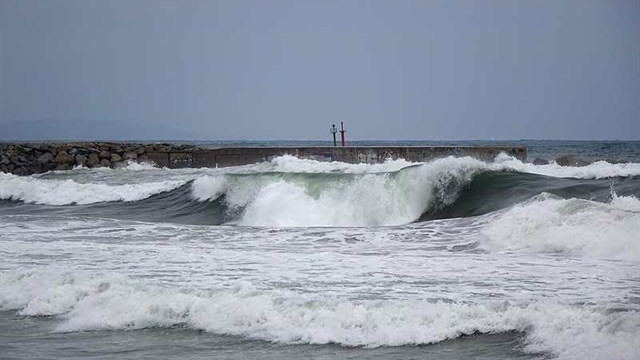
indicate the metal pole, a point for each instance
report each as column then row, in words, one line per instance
column 333, row 132
column 342, row 131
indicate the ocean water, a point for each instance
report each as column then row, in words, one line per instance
column 449, row 259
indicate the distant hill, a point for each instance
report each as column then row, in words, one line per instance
column 89, row 130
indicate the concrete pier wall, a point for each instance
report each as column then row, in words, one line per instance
column 222, row 157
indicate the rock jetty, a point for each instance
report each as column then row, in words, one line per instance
column 34, row 158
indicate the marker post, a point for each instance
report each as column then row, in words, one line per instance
column 333, row 132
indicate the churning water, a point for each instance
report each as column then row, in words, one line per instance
column 453, row 258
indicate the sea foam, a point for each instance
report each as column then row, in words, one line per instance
column 577, row 227
column 87, row 302
column 366, row 197
column 394, row 192
column 354, row 199
column 64, row 192
column 596, row 170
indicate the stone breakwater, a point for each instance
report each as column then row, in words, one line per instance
column 34, row 158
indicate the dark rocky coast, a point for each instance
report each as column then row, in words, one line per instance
column 34, row 158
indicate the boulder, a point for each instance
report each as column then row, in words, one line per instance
column 616, row 161
column 81, row 160
column 93, row 160
column 19, row 160
column 104, row 154
column 115, row 158
column 42, row 167
column 571, row 160
column 131, row 155
column 5, row 160
column 105, row 163
column 21, row 171
column 539, row 161
column 45, row 158
column 63, row 158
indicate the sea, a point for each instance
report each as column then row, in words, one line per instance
column 453, row 258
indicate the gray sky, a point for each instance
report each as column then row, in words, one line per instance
column 288, row 69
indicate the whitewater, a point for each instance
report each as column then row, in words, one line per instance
column 452, row 258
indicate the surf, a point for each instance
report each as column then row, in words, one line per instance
column 290, row 192
column 86, row 302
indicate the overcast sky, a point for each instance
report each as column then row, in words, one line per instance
column 288, row 69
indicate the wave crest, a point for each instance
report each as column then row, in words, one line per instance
column 365, row 199
column 88, row 302
column 549, row 224
column 66, row 192
column 294, row 192
column 596, row 170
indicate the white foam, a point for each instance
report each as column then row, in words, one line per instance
column 63, row 192
column 208, row 187
column 288, row 163
column 129, row 165
column 596, row 170
column 138, row 166
column 392, row 193
column 548, row 224
column 87, row 302
column 365, row 199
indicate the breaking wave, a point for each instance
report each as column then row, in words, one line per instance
column 328, row 199
column 86, row 302
column 574, row 227
column 596, row 170
column 294, row 192
column 460, row 208
column 65, row 192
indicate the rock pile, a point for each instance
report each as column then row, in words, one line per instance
column 33, row 158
